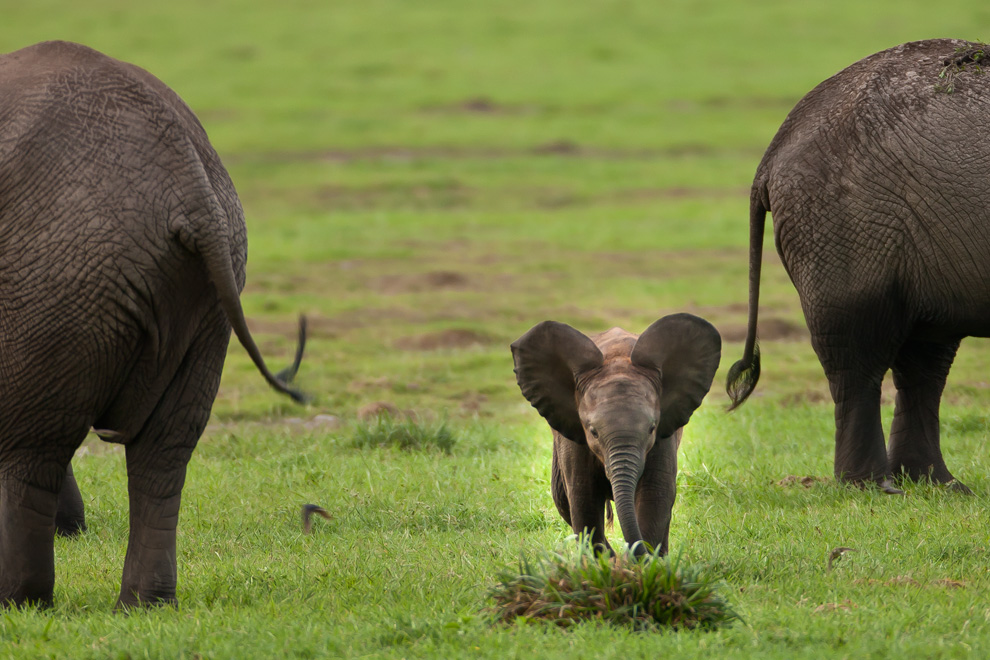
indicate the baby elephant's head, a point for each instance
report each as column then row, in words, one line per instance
column 619, row 394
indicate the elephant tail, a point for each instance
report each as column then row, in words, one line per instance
column 744, row 374
column 213, row 246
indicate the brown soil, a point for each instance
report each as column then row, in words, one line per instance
column 473, row 403
column 808, row 396
column 479, row 105
column 807, row 482
column 680, row 192
column 554, row 148
column 446, row 194
column 951, row 584
column 908, row 581
column 330, row 328
column 378, row 409
column 730, row 102
column 454, row 195
column 316, row 422
column 419, row 282
column 444, row 339
column 768, row 329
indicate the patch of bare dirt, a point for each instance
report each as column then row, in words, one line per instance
column 548, row 198
column 480, row 281
column 453, row 338
column 316, row 422
column 807, row 396
column 450, row 194
column 737, row 308
column 378, row 409
column 768, row 329
column 680, row 192
column 845, row 605
column 479, row 105
column 419, row 282
column 558, row 148
column 731, row 102
column 361, row 384
column 473, row 403
column 325, row 327
column 888, row 394
column 908, row 581
column 807, row 482
column 949, row 584
column 441, row 152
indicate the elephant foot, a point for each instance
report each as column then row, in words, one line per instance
column 640, row 549
column 937, row 475
column 958, row 487
column 29, row 593
column 41, row 603
column 885, row 484
column 888, row 487
column 124, row 605
column 603, row 549
column 69, row 527
column 27, row 545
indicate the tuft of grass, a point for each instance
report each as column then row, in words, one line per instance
column 647, row 593
column 965, row 58
column 407, row 434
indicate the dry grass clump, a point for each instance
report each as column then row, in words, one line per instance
column 648, row 593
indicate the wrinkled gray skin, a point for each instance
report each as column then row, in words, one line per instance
column 122, row 252
column 879, row 189
column 617, row 404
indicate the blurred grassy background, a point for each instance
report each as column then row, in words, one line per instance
column 427, row 180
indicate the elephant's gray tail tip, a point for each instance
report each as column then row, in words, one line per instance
column 287, row 375
column 742, row 379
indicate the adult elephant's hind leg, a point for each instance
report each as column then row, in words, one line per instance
column 27, row 543
column 855, row 360
column 149, row 576
column 914, row 450
column 71, row 517
column 156, row 471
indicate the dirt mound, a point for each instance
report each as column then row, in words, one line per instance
column 807, row 482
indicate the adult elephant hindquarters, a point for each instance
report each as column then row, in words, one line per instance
column 122, row 253
column 877, row 182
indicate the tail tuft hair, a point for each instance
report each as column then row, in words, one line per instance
column 742, row 378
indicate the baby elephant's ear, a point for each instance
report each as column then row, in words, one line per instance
column 548, row 360
column 686, row 350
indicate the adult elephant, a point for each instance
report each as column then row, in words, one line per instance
column 122, row 253
column 879, row 190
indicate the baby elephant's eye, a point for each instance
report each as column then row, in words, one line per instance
column 653, row 428
column 594, row 432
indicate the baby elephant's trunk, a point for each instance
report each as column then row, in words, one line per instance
column 624, row 468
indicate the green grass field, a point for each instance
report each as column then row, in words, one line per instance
column 427, row 180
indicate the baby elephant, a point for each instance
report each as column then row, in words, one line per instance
column 617, row 404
